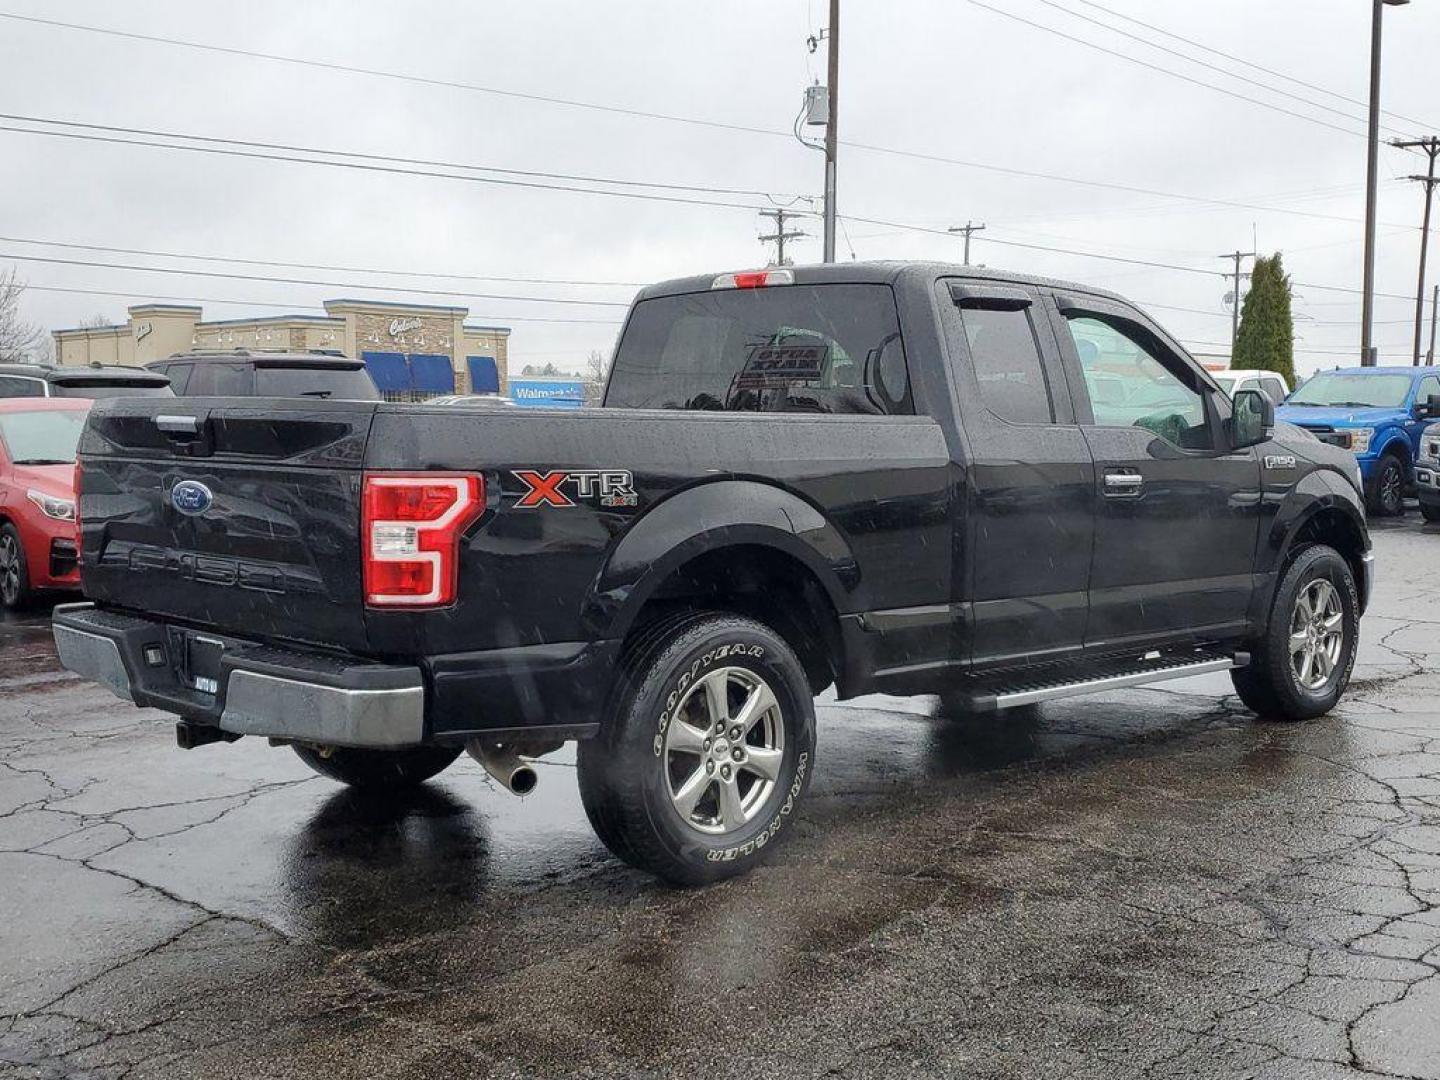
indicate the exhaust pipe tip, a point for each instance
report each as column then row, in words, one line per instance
column 497, row 759
column 523, row 780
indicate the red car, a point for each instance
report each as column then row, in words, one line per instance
column 39, row 537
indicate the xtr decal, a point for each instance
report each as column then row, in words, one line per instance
column 609, row 488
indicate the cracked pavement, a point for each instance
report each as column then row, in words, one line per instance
column 1145, row 884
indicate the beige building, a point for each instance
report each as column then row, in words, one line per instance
column 419, row 348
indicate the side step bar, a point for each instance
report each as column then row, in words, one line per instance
column 1160, row 671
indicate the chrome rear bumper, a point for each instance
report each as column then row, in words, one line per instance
column 256, row 689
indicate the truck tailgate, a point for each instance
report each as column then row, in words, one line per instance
column 243, row 516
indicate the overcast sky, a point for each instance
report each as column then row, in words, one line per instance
column 946, row 78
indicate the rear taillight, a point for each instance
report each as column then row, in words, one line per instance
column 410, row 527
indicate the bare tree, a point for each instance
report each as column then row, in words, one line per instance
column 597, row 367
column 96, row 322
column 20, row 341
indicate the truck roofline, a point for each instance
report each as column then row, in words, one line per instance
column 876, row 272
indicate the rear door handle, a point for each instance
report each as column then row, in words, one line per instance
column 1120, row 485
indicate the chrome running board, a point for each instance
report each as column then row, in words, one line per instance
column 1161, row 670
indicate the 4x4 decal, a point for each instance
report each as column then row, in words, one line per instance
column 609, row 488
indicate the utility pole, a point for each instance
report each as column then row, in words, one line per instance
column 967, row 229
column 1372, row 180
column 1434, row 309
column 832, row 128
column 780, row 235
column 1431, row 146
column 1235, row 305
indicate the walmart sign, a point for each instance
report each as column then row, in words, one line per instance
column 548, row 393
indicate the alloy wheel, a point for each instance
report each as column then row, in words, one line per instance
column 9, row 570
column 1391, row 496
column 723, row 749
column 1317, row 634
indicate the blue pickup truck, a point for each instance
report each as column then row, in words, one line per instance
column 1376, row 413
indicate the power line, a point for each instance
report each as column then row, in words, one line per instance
column 151, row 253
column 1098, row 255
column 131, row 295
column 1165, row 70
column 91, row 263
column 360, row 166
column 1202, row 63
column 641, row 113
column 380, row 73
column 1247, row 63
column 364, row 156
column 644, row 196
column 228, row 149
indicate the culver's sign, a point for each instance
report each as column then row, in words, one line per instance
column 403, row 326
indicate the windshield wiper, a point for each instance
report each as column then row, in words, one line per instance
column 43, row 461
column 1355, row 405
column 317, row 393
column 1307, row 404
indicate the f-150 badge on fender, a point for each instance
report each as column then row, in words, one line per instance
column 1280, row 461
column 606, row 487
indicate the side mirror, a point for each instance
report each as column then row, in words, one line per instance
column 1429, row 409
column 1253, row 419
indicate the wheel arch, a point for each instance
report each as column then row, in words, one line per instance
column 734, row 545
column 1323, row 508
column 1396, row 443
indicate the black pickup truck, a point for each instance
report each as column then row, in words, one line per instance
column 898, row 477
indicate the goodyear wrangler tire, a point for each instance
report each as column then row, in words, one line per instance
column 1302, row 662
column 706, row 751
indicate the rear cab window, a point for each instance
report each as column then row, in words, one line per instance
column 832, row 349
column 334, row 382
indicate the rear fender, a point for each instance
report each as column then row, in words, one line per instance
column 707, row 517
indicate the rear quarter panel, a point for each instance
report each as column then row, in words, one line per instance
column 864, row 501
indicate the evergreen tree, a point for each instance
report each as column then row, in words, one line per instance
column 1267, row 330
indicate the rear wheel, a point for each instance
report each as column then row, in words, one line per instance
column 377, row 769
column 706, row 750
column 1301, row 665
column 14, row 572
column 1386, row 497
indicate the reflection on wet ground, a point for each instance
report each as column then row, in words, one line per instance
column 1144, row 884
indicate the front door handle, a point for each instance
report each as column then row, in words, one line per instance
column 1122, row 485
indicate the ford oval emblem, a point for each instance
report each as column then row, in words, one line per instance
column 191, row 497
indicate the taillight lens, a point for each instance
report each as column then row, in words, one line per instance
column 410, row 528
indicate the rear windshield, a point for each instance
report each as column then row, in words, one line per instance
column 97, row 388
column 793, row 348
column 338, row 383
column 42, row 438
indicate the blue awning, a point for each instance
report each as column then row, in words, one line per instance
column 388, row 369
column 432, row 373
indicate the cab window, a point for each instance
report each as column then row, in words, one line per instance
column 1007, row 364
column 20, row 386
column 1134, row 382
column 791, row 348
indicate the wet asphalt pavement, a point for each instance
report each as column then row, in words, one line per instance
column 1144, row 884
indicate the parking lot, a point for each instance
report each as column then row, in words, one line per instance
column 1145, row 884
